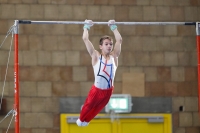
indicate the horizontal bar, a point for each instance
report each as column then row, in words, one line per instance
column 105, row 23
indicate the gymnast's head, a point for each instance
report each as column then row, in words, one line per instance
column 106, row 44
column 103, row 38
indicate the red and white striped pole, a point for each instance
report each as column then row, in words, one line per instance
column 16, row 76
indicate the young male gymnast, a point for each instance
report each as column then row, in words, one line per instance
column 104, row 65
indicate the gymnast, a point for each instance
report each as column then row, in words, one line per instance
column 104, row 65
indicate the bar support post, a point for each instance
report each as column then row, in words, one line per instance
column 16, row 77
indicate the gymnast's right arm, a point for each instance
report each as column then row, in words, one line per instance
column 85, row 37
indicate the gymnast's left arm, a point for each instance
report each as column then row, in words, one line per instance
column 118, row 38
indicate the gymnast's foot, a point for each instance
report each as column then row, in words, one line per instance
column 80, row 123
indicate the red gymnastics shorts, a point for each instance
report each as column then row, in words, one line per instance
column 94, row 103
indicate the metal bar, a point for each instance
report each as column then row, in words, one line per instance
column 16, row 77
column 105, row 23
column 129, row 117
column 72, row 119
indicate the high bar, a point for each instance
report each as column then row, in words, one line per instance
column 105, row 23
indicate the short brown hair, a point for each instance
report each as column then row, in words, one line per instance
column 103, row 38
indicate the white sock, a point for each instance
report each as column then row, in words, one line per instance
column 79, row 122
column 85, row 123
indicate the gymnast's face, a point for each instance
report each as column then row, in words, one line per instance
column 106, row 46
